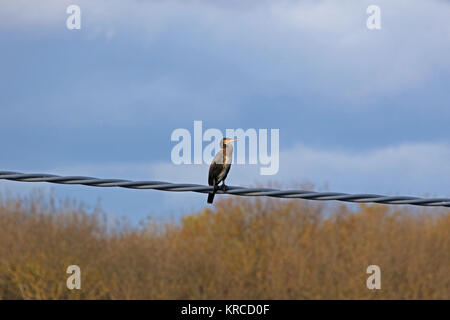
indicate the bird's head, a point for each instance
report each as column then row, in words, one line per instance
column 226, row 141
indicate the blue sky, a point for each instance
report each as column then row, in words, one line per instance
column 358, row 110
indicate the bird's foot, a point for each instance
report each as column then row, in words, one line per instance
column 224, row 187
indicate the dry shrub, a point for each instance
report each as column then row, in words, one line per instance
column 242, row 249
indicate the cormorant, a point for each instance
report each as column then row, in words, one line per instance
column 220, row 166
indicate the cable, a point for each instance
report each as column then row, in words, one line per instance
column 233, row 190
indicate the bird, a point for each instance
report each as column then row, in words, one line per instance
column 220, row 166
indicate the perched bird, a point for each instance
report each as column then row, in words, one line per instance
column 220, row 166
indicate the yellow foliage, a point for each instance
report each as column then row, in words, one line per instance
column 242, row 249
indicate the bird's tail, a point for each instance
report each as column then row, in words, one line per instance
column 211, row 196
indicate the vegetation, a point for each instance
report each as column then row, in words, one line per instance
column 240, row 249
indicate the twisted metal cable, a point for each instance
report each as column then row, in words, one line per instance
column 234, row 190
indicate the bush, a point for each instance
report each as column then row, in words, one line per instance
column 242, row 249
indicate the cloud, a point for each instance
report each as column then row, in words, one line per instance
column 418, row 168
column 277, row 47
column 139, row 69
column 120, row 103
column 409, row 169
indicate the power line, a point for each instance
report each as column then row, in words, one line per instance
column 233, row 190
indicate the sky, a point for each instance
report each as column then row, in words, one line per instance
column 358, row 110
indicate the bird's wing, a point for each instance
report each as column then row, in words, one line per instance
column 223, row 175
column 219, row 169
column 214, row 172
column 215, row 168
